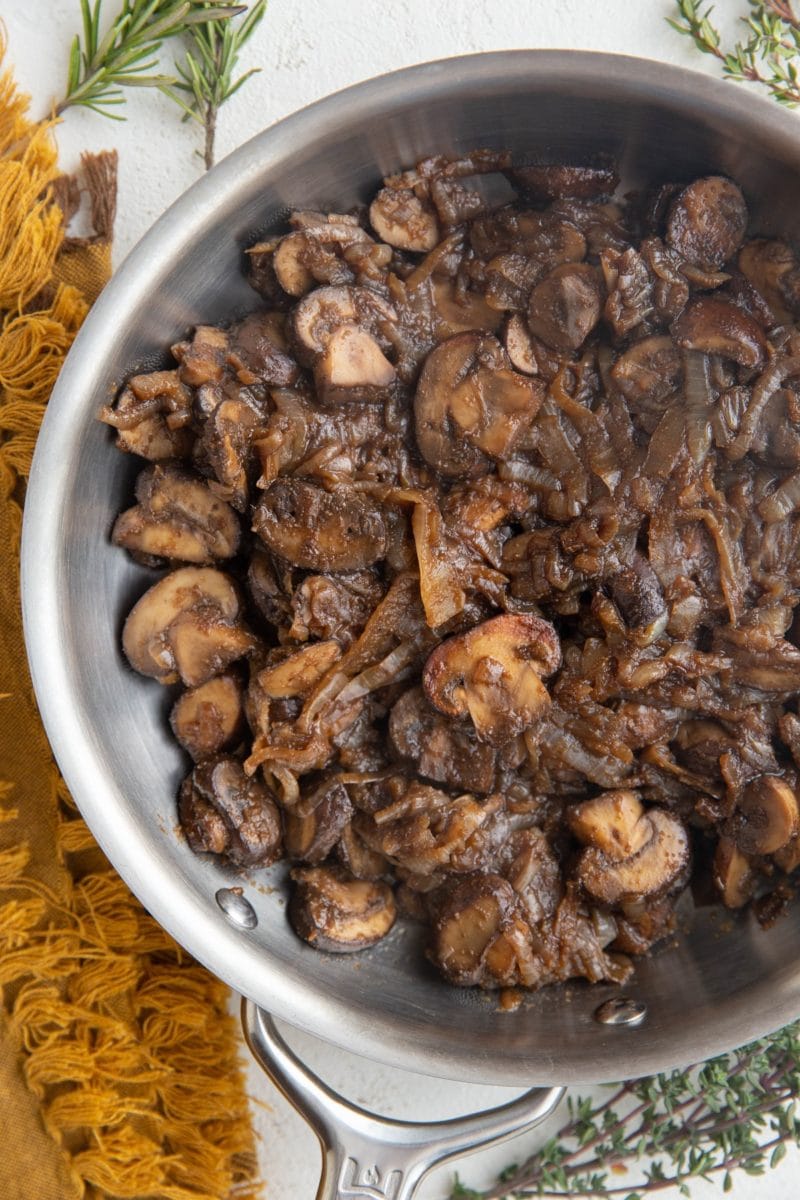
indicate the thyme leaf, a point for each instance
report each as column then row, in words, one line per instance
column 768, row 53
column 733, row 1113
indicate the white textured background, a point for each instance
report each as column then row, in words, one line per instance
column 306, row 49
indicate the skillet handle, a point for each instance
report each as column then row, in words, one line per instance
column 367, row 1157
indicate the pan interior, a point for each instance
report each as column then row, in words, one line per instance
column 723, row 980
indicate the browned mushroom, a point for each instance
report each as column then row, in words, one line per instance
column 178, row 518
column 638, row 595
column 660, row 865
column 494, row 673
column 767, row 816
column 557, row 181
column 565, row 307
column 314, row 825
column 707, row 221
column 443, row 750
column 224, row 812
column 186, row 627
column 327, row 309
column 403, row 220
column 649, row 371
column 356, row 856
column 151, row 416
column 288, row 263
column 772, row 268
column 259, row 351
column 478, row 933
column 733, row 874
column 519, row 345
column 614, row 822
column 352, row 367
column 334, row 911
column 209, row 718
column 319, row 530
column 471, row 405
column 717, row 327
column 338, row 607
column 203, row 359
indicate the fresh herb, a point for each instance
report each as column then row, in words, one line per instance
column 101, row 66
column 769, row 54
column 207, row 72
column 735, row 1112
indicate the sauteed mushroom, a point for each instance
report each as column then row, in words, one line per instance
column 509, row 508
column 334, row 911
column 494, row 673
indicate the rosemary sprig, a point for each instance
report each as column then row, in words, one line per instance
column 206, row 76
column 769, row 53
column 100, row 66
column 734, row 1112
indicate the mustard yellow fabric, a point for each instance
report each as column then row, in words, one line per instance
column 119, row 1069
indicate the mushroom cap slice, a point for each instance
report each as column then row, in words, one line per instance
column 444, row 750
column 469, row 925
column 144, row 636
column 203, row 644
column 733, row 874
column 250, row 821
column 614, row 822
column 471, row 405
column 566, row 305
column 707, row 221
column 289, row 266
column 326, row 309
column 767, row 816
column 494, row 673
column 401, row 219
column 319, row 530
column 662, row 863
column 559, row 181
column 352, row 367
column 768, row 264
column 649, row 371
column 715, row 326
column 314, row 825
column 331, row 910
column 177, row 517
column 208, row 718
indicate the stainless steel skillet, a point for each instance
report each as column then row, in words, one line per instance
column 709, row 991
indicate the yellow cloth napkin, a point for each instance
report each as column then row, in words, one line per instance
column 119, row 1068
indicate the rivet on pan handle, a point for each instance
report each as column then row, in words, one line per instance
column 366, row 1157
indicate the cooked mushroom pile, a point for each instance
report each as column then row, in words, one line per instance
column 482, row 553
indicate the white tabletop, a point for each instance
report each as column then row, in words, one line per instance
column 306, row 49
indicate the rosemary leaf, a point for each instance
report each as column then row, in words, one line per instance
column 127, row 55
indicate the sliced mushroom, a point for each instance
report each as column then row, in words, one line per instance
column 209, row 718
column 707, row 221
column 186, row 626
column 614, row 822
column 225, row 444
column 494, row 673
column 649, row 371
column 471, row 405
column 638, row 595
column 519, row 346
column 326, row 309
column 733, row 874
column 661, row 864
column 559, row 181
column 290, row 270
column 352, row 367
column 478, row 932
column 401, row 219
column 770, row 265
column 296, row 674
column 203, row 360
column 356, row 856
column 717, row 327
column 259, row 351
column 333, row 911
column 178, row 518
column 565, row 307
column 151, row 417
column 313, row 826
column 224, row 812
column 338, row 607
column 443, row 750
column 319, row 530
column 767, row 816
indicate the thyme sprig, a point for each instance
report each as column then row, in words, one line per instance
column 126, row 55
column 768, row 54
column 207, row 73
column 733, row 1113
